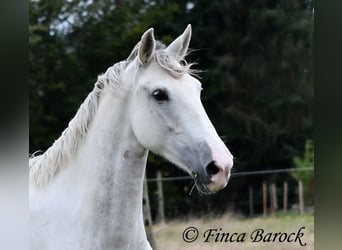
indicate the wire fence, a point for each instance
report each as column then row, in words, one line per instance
column 261, row 172
column 264, row 197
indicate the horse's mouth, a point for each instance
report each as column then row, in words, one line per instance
column 207, row 186
column 202, row 188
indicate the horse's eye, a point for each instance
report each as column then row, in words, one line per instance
column 160, row 95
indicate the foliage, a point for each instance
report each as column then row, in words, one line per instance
column 256, row 56
column 307, row 177
column 307, row 160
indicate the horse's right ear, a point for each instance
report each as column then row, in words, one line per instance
column 147, row 46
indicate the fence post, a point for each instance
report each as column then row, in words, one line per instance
column 160, row 195
column 264, row 198
column 147, row 216
column 273, row 198
column 285, row 196
column 301, row 196
column 251, row 209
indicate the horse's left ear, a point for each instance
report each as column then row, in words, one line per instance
column 180, row 46
column 146, row 48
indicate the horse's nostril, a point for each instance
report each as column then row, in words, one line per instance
column 212, row 169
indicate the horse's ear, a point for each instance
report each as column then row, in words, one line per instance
column 180, row 46
column 147, row 45
column 133, row 52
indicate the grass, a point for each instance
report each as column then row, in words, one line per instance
column 169, row 236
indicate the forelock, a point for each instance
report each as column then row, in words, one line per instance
column 165, row 60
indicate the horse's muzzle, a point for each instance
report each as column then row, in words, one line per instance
column 216, row 178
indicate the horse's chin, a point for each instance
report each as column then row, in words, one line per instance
column 208, row 189
column 203, row 189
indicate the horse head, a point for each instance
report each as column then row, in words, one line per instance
column 167, row 116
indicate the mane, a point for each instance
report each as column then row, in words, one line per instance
column 45, row 166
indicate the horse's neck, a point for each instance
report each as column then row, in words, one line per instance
column 112, row 165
